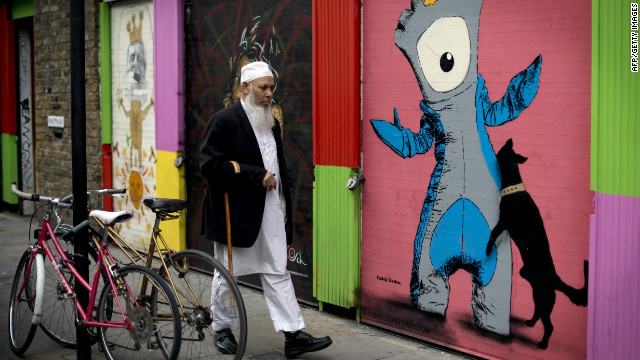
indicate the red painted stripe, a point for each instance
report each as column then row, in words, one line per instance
column 336, row 83
column 107, row 177
column 8, row 101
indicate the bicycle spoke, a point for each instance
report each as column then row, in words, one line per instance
column 192, row 273
column 155, row 329
column 59, row 311
column 21, row 330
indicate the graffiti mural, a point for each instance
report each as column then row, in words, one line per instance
column 133, row 147
column 254, row 46
column 25, row 112
column 456, row 218
column 455, row 119
column 221, row 37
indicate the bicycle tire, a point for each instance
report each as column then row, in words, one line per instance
column 156, row 323
column 59, row 311
column 192, row 273
column 21, row 327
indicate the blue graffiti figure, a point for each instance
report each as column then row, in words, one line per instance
column 440, row 40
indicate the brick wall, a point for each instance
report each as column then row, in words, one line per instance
column 53, row 96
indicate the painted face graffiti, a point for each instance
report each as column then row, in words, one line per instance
column 136, row 65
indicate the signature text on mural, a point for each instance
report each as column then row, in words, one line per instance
column 296, row 256
column 388, row 280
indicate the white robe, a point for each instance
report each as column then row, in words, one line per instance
column 269, row 253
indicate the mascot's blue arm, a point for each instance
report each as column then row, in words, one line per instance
column 520, row 93
column 403, row 141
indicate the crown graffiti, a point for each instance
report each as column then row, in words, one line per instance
column 135, row 32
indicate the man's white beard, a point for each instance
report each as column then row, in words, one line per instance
column 260, row 117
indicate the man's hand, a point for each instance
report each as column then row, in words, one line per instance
column 269, row 181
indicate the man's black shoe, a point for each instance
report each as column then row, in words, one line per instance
column 226, row 342
column 298, row 343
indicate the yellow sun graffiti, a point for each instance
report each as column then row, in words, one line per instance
column 137, row 179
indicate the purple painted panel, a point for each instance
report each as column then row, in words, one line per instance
column 168, row 61
column 614, row 288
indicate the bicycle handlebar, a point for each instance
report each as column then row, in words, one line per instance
column 38, row 197
column 20, row 194
column 107, row 191
column 75, row 230
column 65, row 202
column 67, row 199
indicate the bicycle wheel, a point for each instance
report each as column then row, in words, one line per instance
column 21, row 328
column 151, row 308
column 58, row 310
column 193, row 273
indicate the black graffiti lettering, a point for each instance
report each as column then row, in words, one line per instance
column 400, row 323
column 25, row 110
column 26, row 141
column 388, row 280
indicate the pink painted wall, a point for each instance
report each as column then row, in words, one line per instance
column 168, row 77
column 615, row 275
column 553, row 132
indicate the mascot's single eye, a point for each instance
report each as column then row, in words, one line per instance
column 444, row 51
column 446, row 62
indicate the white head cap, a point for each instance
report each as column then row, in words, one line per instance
column 254, row 70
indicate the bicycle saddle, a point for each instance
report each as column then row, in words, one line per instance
column 112, row 217
column 165, row 205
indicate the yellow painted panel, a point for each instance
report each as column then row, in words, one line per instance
column 170, row 183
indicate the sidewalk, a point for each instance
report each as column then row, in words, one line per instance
column 350, row 340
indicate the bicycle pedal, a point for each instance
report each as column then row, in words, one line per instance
column 153, row 345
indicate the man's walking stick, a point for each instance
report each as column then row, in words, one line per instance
column 228, row 216
column 236, row 170
column 229, row 251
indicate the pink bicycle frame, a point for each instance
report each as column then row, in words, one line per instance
column 84, row 317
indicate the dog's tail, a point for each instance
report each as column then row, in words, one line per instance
column 577, row 296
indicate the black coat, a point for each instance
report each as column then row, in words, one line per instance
column 229, row 136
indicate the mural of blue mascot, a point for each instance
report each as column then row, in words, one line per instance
column 440, row 40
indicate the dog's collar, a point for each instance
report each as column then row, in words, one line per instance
column 512, row 189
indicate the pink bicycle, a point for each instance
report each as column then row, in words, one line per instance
column 137, row 314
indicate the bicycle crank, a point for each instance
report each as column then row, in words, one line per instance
column 142, row 324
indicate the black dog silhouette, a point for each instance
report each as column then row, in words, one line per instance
column 521, row 217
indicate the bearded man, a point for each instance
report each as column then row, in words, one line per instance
column 241, row 153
